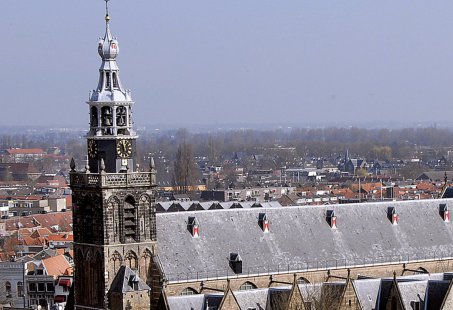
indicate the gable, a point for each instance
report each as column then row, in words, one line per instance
column 229, row 301
column 295, row 300
column 349, row 298
column 394, row 298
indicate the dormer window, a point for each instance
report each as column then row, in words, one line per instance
column 392, row 215
column 133, row 282
column 236, row 263
column 331, row 218
column 193, row 226
column 444, row 212
column 263, row 222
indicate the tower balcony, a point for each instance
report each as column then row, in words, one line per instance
column 112, row 180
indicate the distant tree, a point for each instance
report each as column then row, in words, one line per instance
column 184, row 168
column 212, row 149
column 412, row 170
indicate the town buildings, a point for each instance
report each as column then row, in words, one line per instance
column 128, row 256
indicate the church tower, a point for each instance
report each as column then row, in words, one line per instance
column 114, row 211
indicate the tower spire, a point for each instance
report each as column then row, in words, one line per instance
column 107, row 16
column 111, row 136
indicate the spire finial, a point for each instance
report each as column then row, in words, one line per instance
column 107, row 17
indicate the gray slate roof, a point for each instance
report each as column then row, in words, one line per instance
column 367, row 292
column 412, row 292
column 194, row 302
column 252, row 298
column 122, row 283
column 300, row 238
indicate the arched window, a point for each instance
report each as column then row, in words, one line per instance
column 114, row 215
column 131, row 260
column 8, row 289
column 115, row 80
column 107, row 80
column 20, row 289
column 94, row 117
column 116, row 260
column 189, row 291
column 302, row 280
column 145, row 266
column 130, row 224
column 247, row 286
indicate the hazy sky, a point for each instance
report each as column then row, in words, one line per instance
column 238, row 61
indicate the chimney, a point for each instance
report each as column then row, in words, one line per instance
column 263, row 222
column 331, row 219
column 392, row 215
column 193, row 226
column 444, row 212
column 236, row 263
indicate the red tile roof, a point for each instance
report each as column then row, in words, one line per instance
column 40, row 220
column 24, row 151
column 41, row 232
column 40, row 241
column 57, row 265
column 61, row 237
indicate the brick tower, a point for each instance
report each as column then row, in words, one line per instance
column 114, row 213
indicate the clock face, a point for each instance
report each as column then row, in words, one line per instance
column 92, row 148
column 124, row 148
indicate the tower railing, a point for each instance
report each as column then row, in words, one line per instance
column 111, row 179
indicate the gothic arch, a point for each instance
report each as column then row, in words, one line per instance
column 130, row 225
column 130, row 199
column 146, row 265
column 115, row 217
column 148, row 212
column 144, row 203
column 116, row 260
column 131, row 260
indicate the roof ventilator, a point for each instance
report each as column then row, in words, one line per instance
column 444, row 212
column 331, row 218
column 236, row 263
column 193, row 226
column 392, row 215
column 263, row 222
